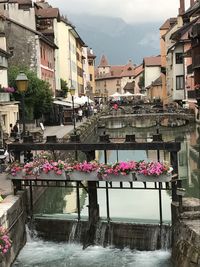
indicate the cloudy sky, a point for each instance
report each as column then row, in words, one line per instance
column 132, row 11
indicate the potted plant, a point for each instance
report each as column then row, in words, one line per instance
column 153, row 172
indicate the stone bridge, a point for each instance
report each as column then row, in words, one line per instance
column 150, row 117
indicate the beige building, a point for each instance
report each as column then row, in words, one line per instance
column 8, row 109
column 110, row 79
column 169, row 23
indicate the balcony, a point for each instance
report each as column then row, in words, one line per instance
column 190, row 69
column 194, row 94
column 196, row 30
column 196, row 61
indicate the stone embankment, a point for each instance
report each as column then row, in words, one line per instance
column 13, row 217
column 186, row 234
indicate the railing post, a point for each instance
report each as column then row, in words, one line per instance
column 174, row 164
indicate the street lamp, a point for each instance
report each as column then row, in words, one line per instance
column 22, row 86
column 72, row 92
column 87, row 92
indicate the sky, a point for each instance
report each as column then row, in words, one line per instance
column 131, row 11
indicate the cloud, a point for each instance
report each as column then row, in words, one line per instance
column 150, row 39
column 132, row 11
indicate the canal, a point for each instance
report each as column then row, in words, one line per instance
column 125, row 205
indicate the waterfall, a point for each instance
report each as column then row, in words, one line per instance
column 165, row 236
column 75, row 235
column 72, row 232
column 100, row 234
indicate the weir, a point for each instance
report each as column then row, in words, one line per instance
column 142, row 237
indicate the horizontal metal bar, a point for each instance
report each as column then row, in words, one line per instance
column 169, row 146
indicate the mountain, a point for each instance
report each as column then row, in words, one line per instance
column 118, row 40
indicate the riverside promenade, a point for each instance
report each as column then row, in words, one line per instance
column 60, row 131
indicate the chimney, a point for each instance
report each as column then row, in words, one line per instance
column 91, row 51
column 182, row 7
column 192, row 3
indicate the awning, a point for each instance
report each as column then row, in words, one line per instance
column 65, row 103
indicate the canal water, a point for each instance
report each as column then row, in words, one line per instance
column 125, row 205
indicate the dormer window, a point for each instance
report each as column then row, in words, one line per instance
column 129, row 68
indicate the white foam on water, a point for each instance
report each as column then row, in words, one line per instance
column 49, row 254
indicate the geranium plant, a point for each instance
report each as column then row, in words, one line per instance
column 119, row 168
column 43, row 164
column 5, row 242
column 7, row 89
column 153, row 168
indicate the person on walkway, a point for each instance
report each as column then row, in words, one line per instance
column 80, row 114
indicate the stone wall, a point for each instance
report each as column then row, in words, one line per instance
column 186, row 234
column 21, row 55
column 13, row 217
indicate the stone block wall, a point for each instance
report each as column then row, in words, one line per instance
column 13, row 217
column 186, row 245
column 22, row 44
column 186, row 233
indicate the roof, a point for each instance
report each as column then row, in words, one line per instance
column 192, row 9
column 48, row 13
column 103, row 62
column 24, row 2
column 21, row 2
column 157, row 82
column 4, row 53
column 138, row 70
column 128, row 70
column 41, row 36
column 129, row 86
column 183, row 30
column 168, row 23
column 152, row 61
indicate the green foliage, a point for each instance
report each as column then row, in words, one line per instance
column 141, row 82
column 64, row 87
column 38, row 98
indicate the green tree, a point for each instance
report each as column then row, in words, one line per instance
column 64, row 87
column 38, row 98
column 141, row 82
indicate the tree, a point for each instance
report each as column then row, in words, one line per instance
column 141, row 82
column 64, row 87
column 38, row 98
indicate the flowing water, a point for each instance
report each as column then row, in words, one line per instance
column 125, row 205
column 38, row 253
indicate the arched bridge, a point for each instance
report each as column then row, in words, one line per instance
column 164, row 117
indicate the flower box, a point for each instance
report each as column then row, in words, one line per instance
column 152, row 178
column 51, row 175
column 118, row 178
column 4, row 97
column 80, row 176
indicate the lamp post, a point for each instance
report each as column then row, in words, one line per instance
column 22, row 86
column 72, row 92
column 87, row 92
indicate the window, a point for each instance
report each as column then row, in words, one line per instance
column 90, row 77
column 179, row 58
column 180, row 82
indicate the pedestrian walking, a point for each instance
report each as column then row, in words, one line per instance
column 80, row 114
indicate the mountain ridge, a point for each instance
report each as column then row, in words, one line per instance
column 118, row 40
